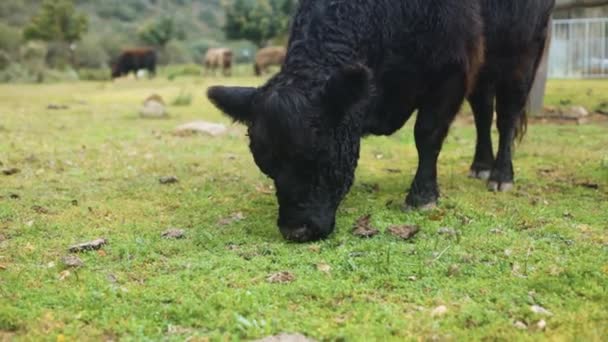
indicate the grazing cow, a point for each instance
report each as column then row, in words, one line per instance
column 516, row 35
column 272, row 55
column 217, row 58
column 133, row 60
column 355, row 68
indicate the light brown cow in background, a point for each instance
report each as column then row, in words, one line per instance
column 218, row 58
column 272, row 55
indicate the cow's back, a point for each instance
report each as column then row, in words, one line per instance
column 514, row 24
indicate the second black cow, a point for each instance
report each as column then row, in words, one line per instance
column 133, row 60
column 363, row 67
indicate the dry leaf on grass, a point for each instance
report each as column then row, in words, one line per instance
column 10, row 171
column 404, row 232
column 40, row 209
column 173, row 233
column 168, row 180
column 363, row 227
column 439, row 311
column 88, row 246
column 283, row 277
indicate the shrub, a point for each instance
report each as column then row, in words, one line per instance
column 183, row 99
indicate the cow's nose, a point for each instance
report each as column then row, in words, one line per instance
column 300, row 234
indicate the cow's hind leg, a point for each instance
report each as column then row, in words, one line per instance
column 482, row 104
column 511, row 98
column 435, row 116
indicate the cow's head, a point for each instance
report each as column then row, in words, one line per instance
column 308, row 143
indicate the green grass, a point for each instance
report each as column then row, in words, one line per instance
column 95, row 167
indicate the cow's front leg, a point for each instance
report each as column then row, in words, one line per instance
column 432, row 124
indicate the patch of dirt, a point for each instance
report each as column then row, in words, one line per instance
column 173, row 233
column 53, row 106
column 72, row 261
column 283, row 277
column 40, row 209
column 404, row 232
column 363, row 227
column 88, row 246
column 234, row 217
column 168, row 180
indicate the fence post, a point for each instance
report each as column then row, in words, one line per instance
column 537, row 93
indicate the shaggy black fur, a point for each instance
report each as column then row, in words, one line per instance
column 353, row 68
column 133, row 61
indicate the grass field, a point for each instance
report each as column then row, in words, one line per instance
column 92, row 170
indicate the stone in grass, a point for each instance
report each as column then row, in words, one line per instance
column 363, row 227
column 72, row 261
column 439, row 311
column 283, row 277
column 174, row 233
column 285, row 337
column 88, row 246
column 200, row 127
column 168, row 180
column 404, row 232
column 153, row 108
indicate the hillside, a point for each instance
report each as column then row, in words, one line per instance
column 114, row 24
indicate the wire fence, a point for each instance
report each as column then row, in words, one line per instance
column 579, row 48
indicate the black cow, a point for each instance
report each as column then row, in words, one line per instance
column 133, row 60
column 516, row 34
column 355, row 68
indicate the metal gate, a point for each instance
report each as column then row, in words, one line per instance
column 579, row 48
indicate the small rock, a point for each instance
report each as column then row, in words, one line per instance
column 10, row 171
column 153, row 107
column 363, row 227
column 496, row 231
column 412, row 278
column 112, row 278
column 168, row 180
column 281, row 278
column 447, row 231
column 540, row 310
column 575, row 112
column 87, row 246
column 200, row 127
column 439, row 311
column 404, row 232
column 541, row 325
column 520, row 325
column 72, row 261
column 173, row 233
column 286, row 338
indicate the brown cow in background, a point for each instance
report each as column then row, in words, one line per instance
column 218, row 58
column 272, row 55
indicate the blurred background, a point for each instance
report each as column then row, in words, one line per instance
column 53, row 40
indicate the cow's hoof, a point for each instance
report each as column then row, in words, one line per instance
column 480, row 174
column 500, row 187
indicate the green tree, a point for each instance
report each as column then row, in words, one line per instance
column 57, row 21
column 257, row 20
column 160, row 32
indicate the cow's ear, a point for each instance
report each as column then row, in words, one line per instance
column 233, row 101
column 347, row 87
